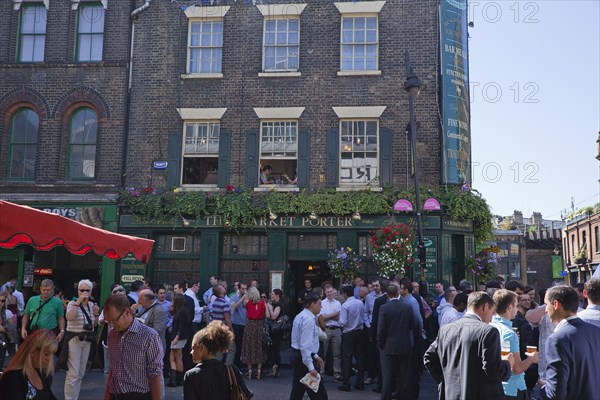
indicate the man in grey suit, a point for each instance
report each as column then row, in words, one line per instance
column 395, row 338
column 572, row 351
column 152, row 314
column 465, row 358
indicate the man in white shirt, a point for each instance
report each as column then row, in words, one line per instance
column 592, row 292
column 459, row 305
column 305, row 346
column 192, row 292
column 330, row 311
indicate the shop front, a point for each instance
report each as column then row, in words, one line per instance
column 282, row 252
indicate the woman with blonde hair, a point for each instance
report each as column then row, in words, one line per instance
column 209, row 379
column 252, row 348
column 82, row 319
column 28, row 376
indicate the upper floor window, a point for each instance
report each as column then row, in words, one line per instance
column 205, row 41
column 597, row 239
column 359, row 47
column 90, row 32
column 200, row 153
column 278, row 152
column 83, row 132
column 281, row 39
column 359, row 158
column 23, row 144
column 281, row 45
column 32, row 33
column 359, row 43
column 205, row 46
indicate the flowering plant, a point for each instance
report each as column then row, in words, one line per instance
column 483, row 266
column 392, row 249
column 343, row 262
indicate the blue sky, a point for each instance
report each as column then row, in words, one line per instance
column 535, row 104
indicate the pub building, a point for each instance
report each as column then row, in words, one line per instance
column 266, row 96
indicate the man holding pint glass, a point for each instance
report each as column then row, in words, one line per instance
column 506, row 303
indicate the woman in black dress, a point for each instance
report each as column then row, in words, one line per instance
column 180, row 333
column 209, row 379
column 28, row 376
column 276, row 311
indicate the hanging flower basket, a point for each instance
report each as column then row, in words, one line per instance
column 343, row 263
column 392, row 249
column 483, row 267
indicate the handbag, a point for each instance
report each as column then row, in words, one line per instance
column 282, row 324
column 235, row 392
column 267, row 341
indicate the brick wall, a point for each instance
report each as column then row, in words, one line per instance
column 160, row 59
column 54, row 87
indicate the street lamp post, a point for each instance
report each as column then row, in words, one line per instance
column 413, row 86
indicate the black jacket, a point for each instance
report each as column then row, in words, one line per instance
column 396, row 328
column 209, row 380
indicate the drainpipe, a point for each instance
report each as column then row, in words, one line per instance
column 133, row 17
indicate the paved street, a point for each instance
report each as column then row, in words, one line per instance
column 265, row 389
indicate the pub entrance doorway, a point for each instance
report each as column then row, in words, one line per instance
column 316, row 271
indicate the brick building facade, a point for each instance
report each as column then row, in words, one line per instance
column 63, row 95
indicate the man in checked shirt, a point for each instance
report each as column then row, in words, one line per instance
column 136, row 354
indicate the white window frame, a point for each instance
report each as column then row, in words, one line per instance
column 344, row 147
column 199, row 116
column 277, row 46
column 277, row 12
column 204, row 14
column 362, row 9
column 181, row 239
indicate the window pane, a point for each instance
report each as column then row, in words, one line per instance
column 347, row 36
column 347, row 23
column 359, row 23
column 293, row 25
column 270, row 25
column 85, row 47
column 372, row 22
column 359, row 36
column 269, row 38
column 27, row 48
column 97, row 43
column 38, row 50
column 371, row 36
column 293, row 38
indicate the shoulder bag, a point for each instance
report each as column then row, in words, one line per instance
column 236, row 392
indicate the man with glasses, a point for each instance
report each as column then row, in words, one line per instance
column 44, row 312
column 136, row 355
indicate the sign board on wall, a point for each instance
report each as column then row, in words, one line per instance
column 28, row 268
column 131, row 270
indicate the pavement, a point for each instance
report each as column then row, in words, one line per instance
column 266, row 388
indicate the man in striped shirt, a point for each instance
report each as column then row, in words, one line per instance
column 221, row 311
column 135, row 353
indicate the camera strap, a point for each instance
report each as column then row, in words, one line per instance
column 87, row 316
column 37, row 312
column 149, row 308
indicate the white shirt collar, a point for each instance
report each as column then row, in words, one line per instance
column 564, row 322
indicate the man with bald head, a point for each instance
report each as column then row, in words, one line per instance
column 152, row 314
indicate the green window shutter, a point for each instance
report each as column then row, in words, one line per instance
column 174, row 167
column 224, row 157
column 333, row 156
column 303, row 168
column 385, row 156
column 252, row 158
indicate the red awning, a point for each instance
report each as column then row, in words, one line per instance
column 43, row 231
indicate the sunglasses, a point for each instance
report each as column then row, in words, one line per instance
column 85, row 290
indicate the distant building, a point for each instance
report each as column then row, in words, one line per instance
column 581, row 243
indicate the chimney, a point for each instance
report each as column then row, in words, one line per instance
column 517, row 217
column 536, row 218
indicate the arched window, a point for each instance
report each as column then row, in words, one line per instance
column 23, row 144
column 82, row 144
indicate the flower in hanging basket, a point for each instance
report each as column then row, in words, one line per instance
column 392, row 249
column 343, row 262
column 484, row 265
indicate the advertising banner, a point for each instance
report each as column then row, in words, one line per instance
column 456, row 122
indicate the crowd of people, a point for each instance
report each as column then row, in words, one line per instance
column 499, row 341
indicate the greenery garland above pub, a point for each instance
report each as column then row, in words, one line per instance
column 239, row 206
